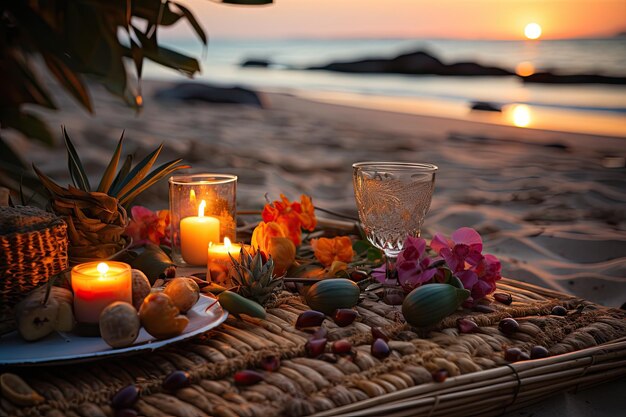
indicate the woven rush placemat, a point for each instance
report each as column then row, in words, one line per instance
column 587, row 346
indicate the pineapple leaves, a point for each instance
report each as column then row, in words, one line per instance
column 159, row 173
column 109, row 173
column 137, row 174
column 123, row 172
column 77, row 172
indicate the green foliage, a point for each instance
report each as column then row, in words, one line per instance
column 80, row 38
column 128, row 183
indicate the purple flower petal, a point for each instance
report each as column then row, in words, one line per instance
column 440, row 242
column 468, row 236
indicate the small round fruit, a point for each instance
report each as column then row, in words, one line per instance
column 119, row 324
column 508, row 326
column 539, row 352
column 184, row 292
column 160, row 317
column 141, row 287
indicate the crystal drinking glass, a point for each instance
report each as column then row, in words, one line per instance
column 392, row 199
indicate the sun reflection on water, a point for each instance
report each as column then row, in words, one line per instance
column 520, row 115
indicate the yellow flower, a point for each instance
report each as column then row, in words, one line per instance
column 328, row 250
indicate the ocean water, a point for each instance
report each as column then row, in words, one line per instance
column 602, row 107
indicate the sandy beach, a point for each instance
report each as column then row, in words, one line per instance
column 549, row 204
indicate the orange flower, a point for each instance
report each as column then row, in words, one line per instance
column 263, row 234
column 292, row 216
column 307, row 217
column 271, row 239
column 328, row 251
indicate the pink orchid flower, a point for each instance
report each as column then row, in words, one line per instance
column 412, row 265
column 465, row 246
column 147, row 226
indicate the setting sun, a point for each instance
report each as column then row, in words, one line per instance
column 532, row 31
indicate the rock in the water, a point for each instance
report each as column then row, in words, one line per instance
column 210, row 94
column 413, row 63
column 550, row 78
column 485, row 106
column 261, row 63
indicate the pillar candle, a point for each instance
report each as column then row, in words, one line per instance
column 219, row 262
column 196, row 232
column 98, row 284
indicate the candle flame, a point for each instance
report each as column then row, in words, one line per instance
column 227, row 243
column 102, row 268
column 192, row 196
column 201, row 208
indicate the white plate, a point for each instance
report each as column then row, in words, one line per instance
column 57, row 348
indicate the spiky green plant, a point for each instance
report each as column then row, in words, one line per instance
column 254, row 279
column 97, row 218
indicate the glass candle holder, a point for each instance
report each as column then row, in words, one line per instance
column 202, row 211
column 98, row 284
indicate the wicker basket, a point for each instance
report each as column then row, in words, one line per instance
column 33, row 248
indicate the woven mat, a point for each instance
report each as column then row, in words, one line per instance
column 588, row 346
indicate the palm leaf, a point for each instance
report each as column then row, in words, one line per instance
column 52, row 186
column 123, row 172
column 69, row 79
column 77, row 172
column 137, row 174
column 159, row 173
column 193, row 22
column 109, row 172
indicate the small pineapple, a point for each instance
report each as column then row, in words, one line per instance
column 254, row 279
column 97, row 218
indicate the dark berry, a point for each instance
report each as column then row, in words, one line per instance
column 508, row 326
column 380, row 349
column 310, row 318
column 344, row 316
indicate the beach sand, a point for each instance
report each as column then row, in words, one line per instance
column 548, row 204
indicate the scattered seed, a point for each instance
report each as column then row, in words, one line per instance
column 380, row 349
column 125, row 397
column 512, row 354
column 502, row 297
column 315, row 347
column 358, row 275
column 344, row 316
column 508, row 326
column 310, row 318
column 341, row 346
column 440, row 375
column 538, row 352
column 176, row 380
column 247, row 377
column 466, row 326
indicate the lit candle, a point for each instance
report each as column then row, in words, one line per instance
column 98, row 284
column 219, row 259
column 195, row 235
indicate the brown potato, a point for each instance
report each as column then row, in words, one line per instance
column 184, row 292
column 119, row 324
column 160, row 316
column 141, row 287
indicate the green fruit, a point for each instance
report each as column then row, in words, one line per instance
column 330, row 294
column 237, row 304
column 429, row 304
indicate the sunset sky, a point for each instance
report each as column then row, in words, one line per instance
column 476, row 19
